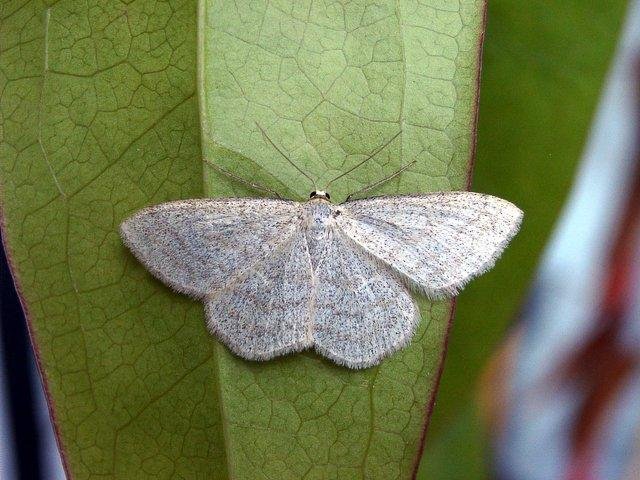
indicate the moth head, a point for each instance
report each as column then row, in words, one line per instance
column 320, row 194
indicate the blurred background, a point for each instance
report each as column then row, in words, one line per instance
column 542, row 378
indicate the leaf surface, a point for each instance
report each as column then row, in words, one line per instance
column 330, row 84
column 100, row 117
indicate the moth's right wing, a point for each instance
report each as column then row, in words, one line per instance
column 199, row 246
column 437, row 242
column 362, row 310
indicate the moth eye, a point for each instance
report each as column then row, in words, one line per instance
column 312, row 194
column 328, row 196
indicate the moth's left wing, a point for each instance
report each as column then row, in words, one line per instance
column 246, row 258
column 437, row 242
column 266, row 311
column 199, row 246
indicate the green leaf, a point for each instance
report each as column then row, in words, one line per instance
column 100, row 117
column 544, row 66
column 330, row 84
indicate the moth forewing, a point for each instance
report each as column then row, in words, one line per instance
column 198, row 247
column 437, row 242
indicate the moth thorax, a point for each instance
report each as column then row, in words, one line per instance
column 318, row 214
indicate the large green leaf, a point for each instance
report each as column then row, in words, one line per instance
column 100, row 117
column 543, row 69
column 330, row 84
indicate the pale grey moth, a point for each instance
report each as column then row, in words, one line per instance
column 279, row 276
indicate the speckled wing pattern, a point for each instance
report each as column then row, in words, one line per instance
column 278, row 276
column 266, row 311
column 437, row 242
column 200, row 246
column 363, row 312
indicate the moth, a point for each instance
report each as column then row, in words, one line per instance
column 278, row 276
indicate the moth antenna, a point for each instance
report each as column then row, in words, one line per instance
column 375, row 152
column 313, row 183
column 255, row 186
column 380, row 182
